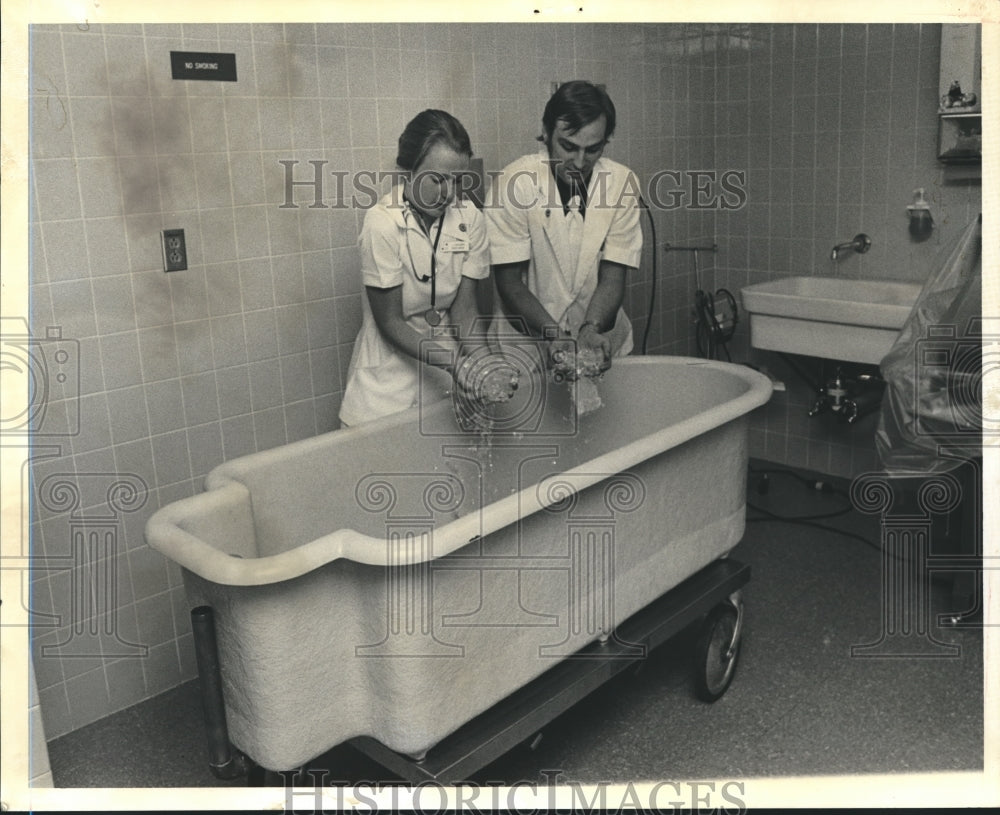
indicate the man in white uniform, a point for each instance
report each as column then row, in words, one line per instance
column 564, row 231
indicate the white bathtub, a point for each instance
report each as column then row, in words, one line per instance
column 398, row 578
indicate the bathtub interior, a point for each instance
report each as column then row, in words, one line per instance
column 300, row 492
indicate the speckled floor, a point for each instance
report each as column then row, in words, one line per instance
column 800, row 703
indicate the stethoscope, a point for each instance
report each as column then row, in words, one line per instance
column 433, row 316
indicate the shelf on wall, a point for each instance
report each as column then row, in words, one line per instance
column 960, row 117
column 960, row 139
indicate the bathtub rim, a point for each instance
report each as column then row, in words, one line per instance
column 164, row 530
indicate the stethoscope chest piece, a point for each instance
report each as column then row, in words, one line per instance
column 433, row 317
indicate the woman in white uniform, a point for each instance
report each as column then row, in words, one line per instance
column 423, row 251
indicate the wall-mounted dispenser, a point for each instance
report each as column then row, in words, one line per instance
column 921, row 221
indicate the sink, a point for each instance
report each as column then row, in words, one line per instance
column 832, row 317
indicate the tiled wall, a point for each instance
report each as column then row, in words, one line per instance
column 39, row 769
column 247, row 349
column 836, row 126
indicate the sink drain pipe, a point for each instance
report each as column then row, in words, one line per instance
column 851, row 398
column 224, row 761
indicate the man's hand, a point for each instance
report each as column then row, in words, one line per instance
column 593, row 351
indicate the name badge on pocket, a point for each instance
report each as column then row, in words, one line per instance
column 456, row 245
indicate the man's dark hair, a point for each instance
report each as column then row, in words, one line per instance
column 578, row 103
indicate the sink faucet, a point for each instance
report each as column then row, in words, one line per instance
column 861, row 243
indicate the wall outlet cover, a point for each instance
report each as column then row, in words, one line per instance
column 174, row 250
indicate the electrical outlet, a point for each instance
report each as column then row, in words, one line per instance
column 174, row 250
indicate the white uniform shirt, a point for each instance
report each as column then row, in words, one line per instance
column 526, row 221
column 396, row 252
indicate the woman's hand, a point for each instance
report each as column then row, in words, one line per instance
column 486, row 377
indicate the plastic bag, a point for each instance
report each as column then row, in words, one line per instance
column 931, row 414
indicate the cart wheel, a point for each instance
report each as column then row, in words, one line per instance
column 714, row 670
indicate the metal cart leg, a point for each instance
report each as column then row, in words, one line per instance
column 224, row 761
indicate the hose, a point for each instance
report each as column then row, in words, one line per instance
column 811, row 484
column 717, row 334
column 710, row 333
column 810, row 520
column 652, row 291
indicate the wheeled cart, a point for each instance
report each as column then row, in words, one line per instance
column 713, row 594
